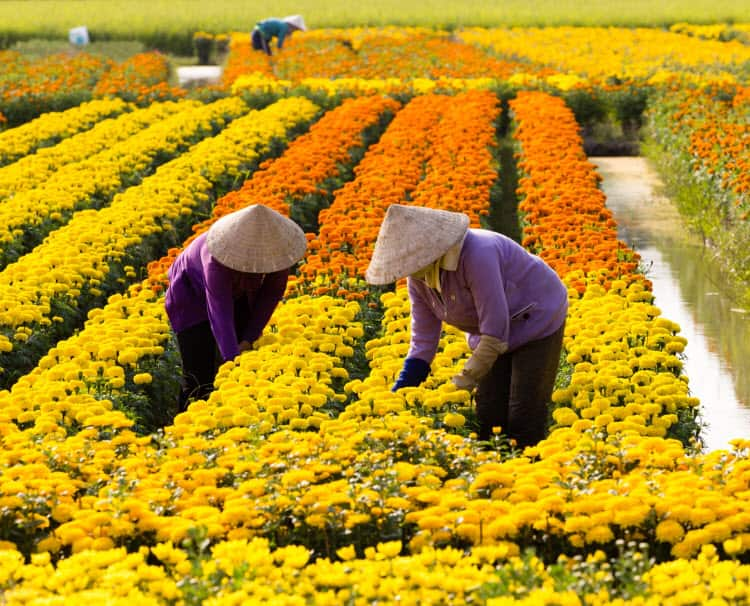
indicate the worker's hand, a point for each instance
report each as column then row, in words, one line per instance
column 464, row 380
column 480, row 362
column 484, row 356
column 412, row 374
column 245, row 345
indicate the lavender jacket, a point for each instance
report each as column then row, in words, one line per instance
column 201, row 288
column 498, row 289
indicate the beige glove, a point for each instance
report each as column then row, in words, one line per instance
column 480, row 362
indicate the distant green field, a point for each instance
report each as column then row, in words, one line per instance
column 169, row 24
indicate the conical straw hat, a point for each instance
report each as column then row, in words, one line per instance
column 256, row 239
column 297, row 21
column 412, row 237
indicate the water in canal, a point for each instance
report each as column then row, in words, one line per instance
column 687, row 289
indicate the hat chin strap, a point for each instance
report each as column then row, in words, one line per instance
column 449, row 261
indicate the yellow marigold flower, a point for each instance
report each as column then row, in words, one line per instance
column 49, row 544
column 564, row 416
column 293, row 556
column 389, row 549
column 114, row 372
column 299, row 424
column 733, row 546
column 142, row 378
column 347, row 553
column 669, row 531
column 468, row 531
column 102, row 544
column 356, row 519
column 501, row 527
column 82, row 544
column 128, row 356
column 599, row 534
column 345, row 351
column 355, row 332
column 397, row 503
column 431, row 522
column 453, row 419
column 62, row 513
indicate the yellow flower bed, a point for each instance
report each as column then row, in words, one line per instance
column 259, row 83
column 35, row 169
column 57, row 269
column 626, row 374
column 102, row 174
column 54, row 126
column 294, row 482
column 624, row 53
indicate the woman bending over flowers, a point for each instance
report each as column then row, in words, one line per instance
column 510, row 303
column 224, row 287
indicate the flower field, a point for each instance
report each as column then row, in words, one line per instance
column 303, row 479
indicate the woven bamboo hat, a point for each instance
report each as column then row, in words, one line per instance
column 297, row 21
column 256, row 239
column 412, row 237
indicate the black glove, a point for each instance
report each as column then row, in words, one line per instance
column 415, row 371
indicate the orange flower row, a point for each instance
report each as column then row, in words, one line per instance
column 242, row 59
column 449, row 165
column 28, row 89
column 708, row 131
column 388, row 173
column 142, row 78
column 566, row 220
column 720, row 145
column 371, row 54
column 301, row 171
column 462, row 169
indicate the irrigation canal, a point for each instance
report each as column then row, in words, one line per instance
column 687, row 289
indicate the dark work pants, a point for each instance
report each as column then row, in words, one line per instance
column 200, row 356
column 515, row 394
column 200, row 360
column 259, row 42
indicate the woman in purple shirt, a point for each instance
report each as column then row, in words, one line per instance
column 224, row 287
column 510, row 303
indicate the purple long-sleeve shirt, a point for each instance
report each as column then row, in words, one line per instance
column 498, row 289
column 201, row 288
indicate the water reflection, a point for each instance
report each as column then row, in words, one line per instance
column 687, row 289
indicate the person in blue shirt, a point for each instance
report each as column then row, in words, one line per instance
column 280, row 29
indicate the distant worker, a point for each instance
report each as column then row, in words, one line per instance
column 267, row 29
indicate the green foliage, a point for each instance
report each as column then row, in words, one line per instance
column 587, row 106
column 629, row 104
column 22, row 110
column 117, row 50
column 621, row 576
